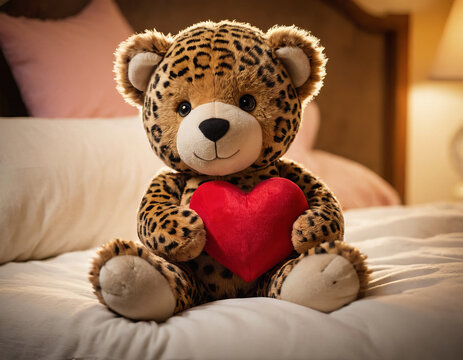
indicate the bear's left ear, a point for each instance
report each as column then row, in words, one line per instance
column 136, row 59
column 302, row 56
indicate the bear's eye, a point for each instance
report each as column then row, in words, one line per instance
column 184, row 108
column 247, row 103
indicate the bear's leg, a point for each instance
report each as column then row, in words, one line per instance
column 139, row 285
column 326, row 278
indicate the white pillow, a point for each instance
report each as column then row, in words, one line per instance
column 70, row 184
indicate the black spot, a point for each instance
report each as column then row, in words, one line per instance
column 139, row 251
column 182, row 72
column 171, row 246
column 258, row 50
column 270, row 68
column 237, row 45
column 294, row 109
column 226, row 274
column 222, row 57
column 156, row 132
column 275, row 156
column 182, row 59
column 247, row 61
column 268, row 150
column 166, row 84
column 116, row 249
column 162, row 239
column 310, row 220
column 270, row 55
column 293, row 177
column 326, row 218
column 186, row 213
column 225, row 65
column 186, row 231
column 153, row 226
column 325, row 230
column 180, row 51
column 156, row 80
column 196, row 60
column 208, row 269
column 170, row 268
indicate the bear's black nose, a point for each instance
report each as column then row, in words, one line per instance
column 214, row 128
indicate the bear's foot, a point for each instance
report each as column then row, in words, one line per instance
column 323, row 282
column 133, row 288
column 325, row 278
column 137, row 284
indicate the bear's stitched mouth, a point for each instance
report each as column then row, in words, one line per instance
column 217, row 155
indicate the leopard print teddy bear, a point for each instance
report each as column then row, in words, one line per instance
column 210, row 90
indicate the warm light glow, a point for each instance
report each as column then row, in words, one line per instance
column 448, row 64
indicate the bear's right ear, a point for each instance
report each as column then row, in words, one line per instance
column 136, row 59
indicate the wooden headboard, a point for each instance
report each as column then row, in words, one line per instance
column 363, row 104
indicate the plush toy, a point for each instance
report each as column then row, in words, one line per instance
column 221, row 103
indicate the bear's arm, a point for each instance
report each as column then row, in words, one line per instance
column 172, row 231
column 323, row 221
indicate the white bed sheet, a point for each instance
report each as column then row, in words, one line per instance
column 413, row 310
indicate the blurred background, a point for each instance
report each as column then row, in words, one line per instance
column 435, row 101
column 392, row 102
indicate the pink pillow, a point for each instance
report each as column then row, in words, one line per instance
column 354, row 185
column 64, row 67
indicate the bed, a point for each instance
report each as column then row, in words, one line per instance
column 412, row 310
column 59, row 173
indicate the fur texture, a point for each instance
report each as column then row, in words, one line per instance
column 220, row 62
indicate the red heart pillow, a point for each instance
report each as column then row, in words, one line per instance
column 249, row 233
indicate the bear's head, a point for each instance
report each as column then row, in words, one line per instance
column 220, row 98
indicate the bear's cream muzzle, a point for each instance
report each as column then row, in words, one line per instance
column 219, row 139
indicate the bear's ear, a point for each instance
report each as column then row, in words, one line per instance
column 136, row 59
column 302, row 56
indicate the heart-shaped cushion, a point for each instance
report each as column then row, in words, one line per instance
column 249, row 233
